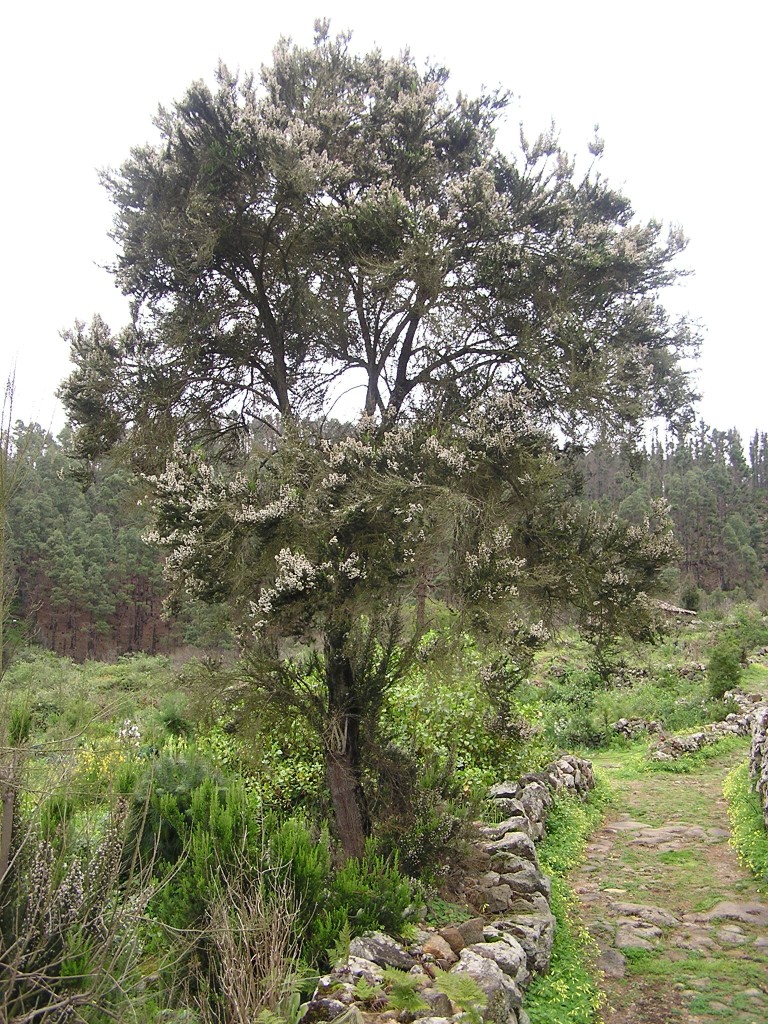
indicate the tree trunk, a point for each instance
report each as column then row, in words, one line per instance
column 342, row 746
column 421, row 601
column 8, row 784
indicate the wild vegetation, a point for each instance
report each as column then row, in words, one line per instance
column 364, row 624
column 216, row 825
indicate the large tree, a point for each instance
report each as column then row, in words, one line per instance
column 344, row 222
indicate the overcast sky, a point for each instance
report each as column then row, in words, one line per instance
column 678, row 89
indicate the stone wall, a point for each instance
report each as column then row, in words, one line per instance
column 669, row 748
column 758, row 758
column 502, row 948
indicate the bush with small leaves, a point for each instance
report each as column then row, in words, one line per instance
column 724, row 668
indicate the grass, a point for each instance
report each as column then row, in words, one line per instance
column 754, row 679
column 724, row 983
column 441, row 912
column 722, row 980
column 568, row 993
column 749, row 836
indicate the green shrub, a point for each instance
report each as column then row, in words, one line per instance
column 750, row 629
column 304, row 855
column 160, row 813
column 212, row 838
column 443, row 712
column 70, row 922
column 690, row 598
column 579, row 727
column 172, row 715
column 20, row 723
column 373, row 892
column 422, row 811
column 368, row 894
column 724, row 667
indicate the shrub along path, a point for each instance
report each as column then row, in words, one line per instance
column 682, row 928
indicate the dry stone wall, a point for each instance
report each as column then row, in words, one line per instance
column 758, row 758
column 669, row 748
column 501, row 948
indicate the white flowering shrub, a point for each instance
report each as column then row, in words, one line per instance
column 129, row 735
column 71, row 919
column 319, row 531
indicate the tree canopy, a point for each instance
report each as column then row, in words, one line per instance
column 343, row 221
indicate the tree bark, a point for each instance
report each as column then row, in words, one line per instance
column 342, row 746
column 8, row 783
column 421, row 601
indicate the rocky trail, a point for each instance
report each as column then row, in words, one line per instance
column 682, row 929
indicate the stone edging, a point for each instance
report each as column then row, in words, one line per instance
column 500, row 949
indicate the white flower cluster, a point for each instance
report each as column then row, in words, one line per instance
column 179, row 569
column 492, row 569
column 129, row 734
column 350, row 451
column 615, row 578
column 453, row 459
column 69, row 895
column 333, row 480
column 410, row 512
column 297, row 576
column 529, row 635
column 350, row 567
column 539, row 632
column 283, row 506
column 40, row 880
column 190, row 487
column 500, row 424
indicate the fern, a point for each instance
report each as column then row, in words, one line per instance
column 365, row 991
column 464, row 992
column 338, row 953
column 269, row 1017
column 401, row 991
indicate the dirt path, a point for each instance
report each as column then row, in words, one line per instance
column 682, row 927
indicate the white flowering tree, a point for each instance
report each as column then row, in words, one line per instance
column 327, row 542
column 340, row 220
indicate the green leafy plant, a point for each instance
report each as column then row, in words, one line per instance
column 402, row 991
column 568, row 992
column 366, row 992
column 338, row 953
column 465, row 992
column 172, row 714
column 724, row 667
column 748, row 833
